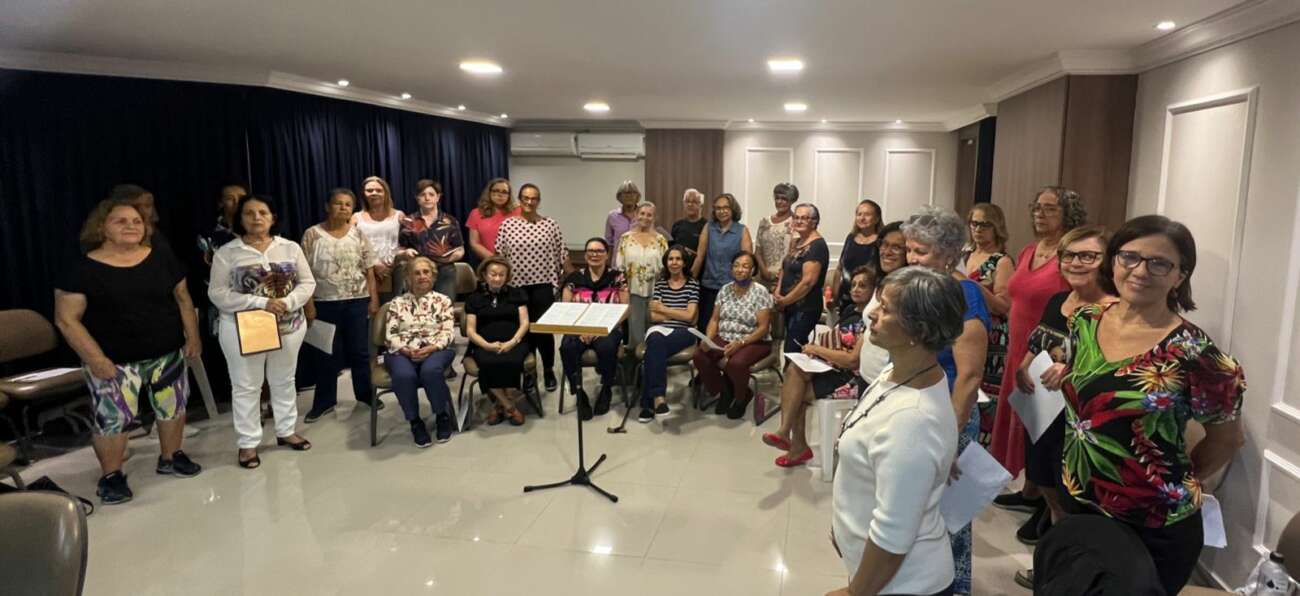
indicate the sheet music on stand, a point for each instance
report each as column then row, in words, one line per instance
column 580, row 318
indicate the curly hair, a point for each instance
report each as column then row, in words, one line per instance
column 92, row 232
column 1073, row 211
column 485, row 206
column 940, row 228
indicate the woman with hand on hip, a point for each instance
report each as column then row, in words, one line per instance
column 640, row 256
column 380, row 222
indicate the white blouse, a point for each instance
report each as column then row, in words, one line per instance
column 243, row 279
column 891, row 472
column 381, row 234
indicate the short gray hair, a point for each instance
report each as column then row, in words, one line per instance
column 940, row 228
column 816, row 213
column 625, row 187
column 931, row 306
column 691, row 192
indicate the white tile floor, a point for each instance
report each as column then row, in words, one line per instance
column 702, row 510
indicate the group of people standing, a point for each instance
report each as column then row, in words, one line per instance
column 929, row 312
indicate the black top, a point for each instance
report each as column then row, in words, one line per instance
column 792, row 271
column 130, row 311
column 585, row 289
column 496, row 314
column 687, row 234
column 854, row 255
column 1052, row 330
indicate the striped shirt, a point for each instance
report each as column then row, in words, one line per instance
column 676, row 299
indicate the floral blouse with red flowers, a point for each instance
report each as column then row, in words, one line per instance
column 1125, row 453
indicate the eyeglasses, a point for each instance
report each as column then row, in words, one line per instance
column 979, row 226
column 499, row 192
column 596, row 251
column 1156, row 266
column 722, row 208
column 890, row 247
column 1044, row 209
column 802, row 218
column 1086, row 257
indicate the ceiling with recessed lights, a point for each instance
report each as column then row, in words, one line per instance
column 681, row 60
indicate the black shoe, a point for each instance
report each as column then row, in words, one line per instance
column 1017, row 502
column 602, row 400
column 646, row 415
column 662, row 409
column 723, row 405
column 1029, row 532
column 549, row 379
column 378, row 408
column 442, row 427
column 584, row 404
column 420, row 434
column 738, row 407
column 1025, row 578
column 314, row 414
column 450, row 373
column 179, row 465
column 113, row 489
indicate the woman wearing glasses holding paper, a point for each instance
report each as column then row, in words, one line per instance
column 1138, row 372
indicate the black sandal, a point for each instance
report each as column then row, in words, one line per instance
column 249, row 463
column 302, row 445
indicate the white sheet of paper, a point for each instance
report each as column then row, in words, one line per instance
column 605, row 316
column 320, row 335
column 663, row 330
column 1212, row 522
column 982, row 478
column 562, row 313
column 1037, row 411
column 704, row 339
column 45, row 374
column 982, row 398
column 807, row 363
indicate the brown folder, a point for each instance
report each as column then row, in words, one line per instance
column 258, row 332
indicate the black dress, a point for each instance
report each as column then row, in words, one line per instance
column 497, row 319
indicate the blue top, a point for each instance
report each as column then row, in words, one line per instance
column 975, row 309
column 723, row 246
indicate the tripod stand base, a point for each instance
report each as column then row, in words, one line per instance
column 580, row 478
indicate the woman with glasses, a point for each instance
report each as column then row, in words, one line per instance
column 1139, row 371
column 774, row 234
column 722, row 240
column 891, row 257
column 484, row 221
column 986, row 263
column 535, row 249
column 1037, row 278
column 596, row 282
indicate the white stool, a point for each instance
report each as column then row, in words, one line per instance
column 829, row 414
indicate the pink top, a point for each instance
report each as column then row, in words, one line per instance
column 487, row 227
column 1030, row 289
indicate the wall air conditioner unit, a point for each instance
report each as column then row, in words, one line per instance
column 543, row 143
column 604, row 145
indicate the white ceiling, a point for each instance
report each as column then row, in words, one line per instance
column 867, row 60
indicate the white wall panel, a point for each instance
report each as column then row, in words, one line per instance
column 837, row 188
column 577, row 193
column 909, row 181
column 1279, row 500
column 765, row 167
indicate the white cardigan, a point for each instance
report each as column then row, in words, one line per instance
column 893, row 466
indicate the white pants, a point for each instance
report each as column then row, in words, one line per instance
column 246, row 375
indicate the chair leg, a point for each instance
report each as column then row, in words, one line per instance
column 563, row 381
column 462, row 409
column 24, row 442
column 374, row 417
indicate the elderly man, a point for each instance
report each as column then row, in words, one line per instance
column 686, row 231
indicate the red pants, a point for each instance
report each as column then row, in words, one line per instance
column 737, row 369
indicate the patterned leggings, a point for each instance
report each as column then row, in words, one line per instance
column 961, row 541
column 116, row 401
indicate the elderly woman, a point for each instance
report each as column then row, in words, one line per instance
column 1082, row 251
column 496, row 322
column 861, row 249
column 803, row 275
column 1139, row 371
column 124, row 308
column 673, row 307
column 740, row 325
column 596, row 282
column 434, row 234
column 1037, row 278
column 722, row 240
column 380, row 222
column 484, row 222
column 934, row 240
column 686, row 231
column 260, row 270
column 774, row 235
column 341, row 260
column 841, row 350
column 623, row 218
column 535, row 248
column 419, row 333
column 640, row 256
column 895, row 449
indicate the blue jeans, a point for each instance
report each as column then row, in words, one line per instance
column 658, row 348
column 350, row 350
column 409, row 376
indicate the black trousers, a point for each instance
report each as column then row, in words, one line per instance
column 540, row 298
column 707, row 297
column 1174, row 549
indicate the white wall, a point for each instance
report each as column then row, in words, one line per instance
column 835, row 170
column 577, row 193
column 1217, row 145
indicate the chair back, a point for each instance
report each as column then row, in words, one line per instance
column 378, row 335
column 466, row 281
column 43, row 545
column 25, row 333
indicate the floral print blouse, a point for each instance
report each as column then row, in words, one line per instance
column 1125, row 453
column 641, row 263
column 774, row 242
column 419, row 321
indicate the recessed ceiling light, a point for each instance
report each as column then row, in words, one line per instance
column 823, row 121
column 406, row 96
column 596, row 106
column 344, row 83
column 795, row 106
column 898, row 122
column 480, row 67
column 1166, row 25
column 751, row 120
column 505, row 115
column 461, row 107
column 785, row 65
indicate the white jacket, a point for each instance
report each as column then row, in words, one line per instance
column 245, row 279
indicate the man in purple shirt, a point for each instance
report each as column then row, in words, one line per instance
column 620, row 220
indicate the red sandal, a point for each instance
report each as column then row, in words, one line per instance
column 775, row 440
column 801, row 459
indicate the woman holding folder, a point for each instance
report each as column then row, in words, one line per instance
column 261, row 271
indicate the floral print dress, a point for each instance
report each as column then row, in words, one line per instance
column 1125, row 453
column 995, row 362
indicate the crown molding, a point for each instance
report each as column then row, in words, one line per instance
column 739, row 126
column 1242, row 21
column 686, row 124
column 968, row 116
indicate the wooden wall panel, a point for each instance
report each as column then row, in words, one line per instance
column 1099, row 143
column 1027, row 156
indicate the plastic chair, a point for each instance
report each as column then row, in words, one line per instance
column 43, row 545
column 829, row 414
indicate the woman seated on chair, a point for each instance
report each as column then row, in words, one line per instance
column 594, row 283
column 419, row 333
column 841, row 351
column 739, row 324
column 673, row 306
column 496, row 321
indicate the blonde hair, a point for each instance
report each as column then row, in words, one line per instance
column 485, row 206
column 410, row 269
column 92, row 232
column 994, row 214
column 388, row 193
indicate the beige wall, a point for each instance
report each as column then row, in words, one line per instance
column 835, row 170
column 1217, row 145
column 577, row 193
